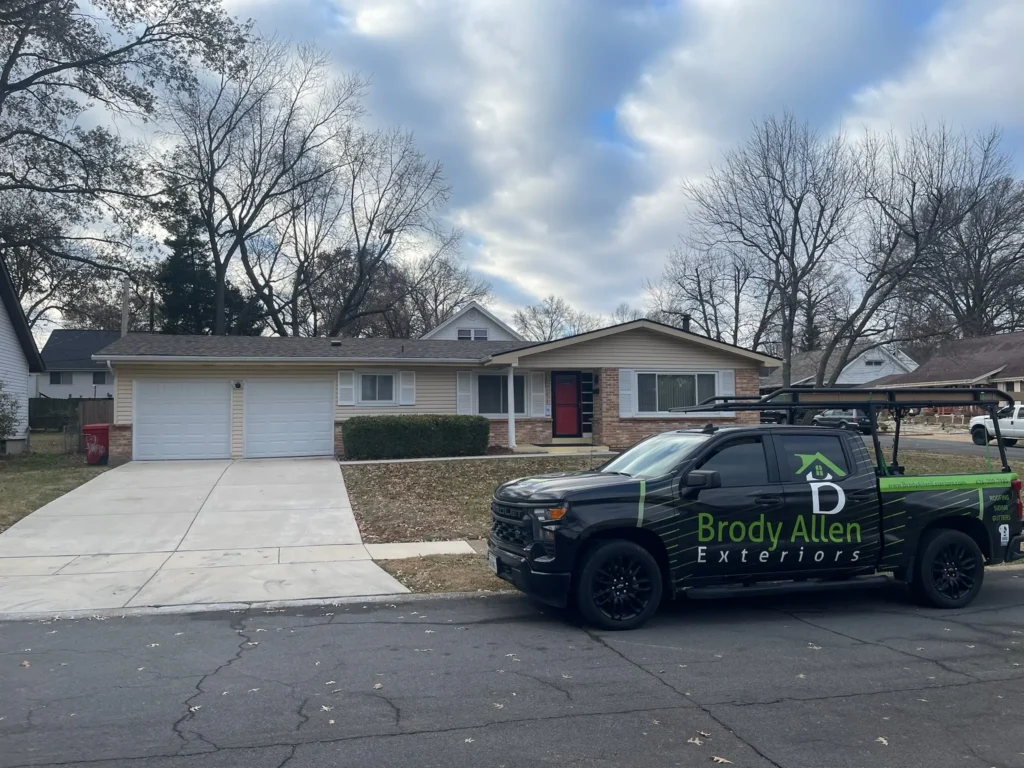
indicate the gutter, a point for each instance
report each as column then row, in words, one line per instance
column 263, row 359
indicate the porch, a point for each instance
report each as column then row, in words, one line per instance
column 540, row 410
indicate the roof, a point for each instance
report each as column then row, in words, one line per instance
column 466, row 310
column 969, row 361
column 21, row 327
column 143, row 347
column 70, row 349
column 512, row 356
column 150, row 346
column 804, row 365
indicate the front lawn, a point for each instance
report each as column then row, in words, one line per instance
column 439, row 500
column 446, row 573
column 29, row 481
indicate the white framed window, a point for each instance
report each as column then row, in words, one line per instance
column 872, row 363
column 479, row 334
column 472, row 334
column 377, row 389
column 60, row 377
column 492, row 394
column 658, row 393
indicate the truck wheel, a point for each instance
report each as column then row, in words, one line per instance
column 843, row 425
column 979, row 436
column 619, row 585
column 950, row 569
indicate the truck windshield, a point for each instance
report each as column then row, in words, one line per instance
column 656, row 456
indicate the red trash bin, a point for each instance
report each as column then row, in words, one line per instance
column 97, row 443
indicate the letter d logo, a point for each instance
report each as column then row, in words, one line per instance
column 816, row 501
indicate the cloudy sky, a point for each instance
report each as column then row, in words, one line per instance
column 566, row 126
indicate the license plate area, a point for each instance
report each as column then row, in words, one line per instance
column 492, row 561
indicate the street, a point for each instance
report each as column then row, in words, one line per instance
column 849, row 680
column 938, row 445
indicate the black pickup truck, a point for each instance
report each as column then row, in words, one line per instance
column 714, row 512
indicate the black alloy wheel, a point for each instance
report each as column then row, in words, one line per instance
column 950, row 569
column 619, row 585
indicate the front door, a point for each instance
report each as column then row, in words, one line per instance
column 565, row 404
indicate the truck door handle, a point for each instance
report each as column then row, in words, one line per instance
column 768, row 500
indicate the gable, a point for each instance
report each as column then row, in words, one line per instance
column 472, row 319
column 637, row 348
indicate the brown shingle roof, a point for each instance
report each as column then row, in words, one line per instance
column 969, row 360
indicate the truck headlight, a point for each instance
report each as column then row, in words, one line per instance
column 549, row 514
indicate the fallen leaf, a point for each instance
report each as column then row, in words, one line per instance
column 261, row 630
column 325, row 708
column 970, row 646
column 920, row 649
column 252, row 644
column 498, row 706
column 716, row 759
column 705, row 734
column 195, row 708
column 883, row 741
column 253, row 690
column 377, row 686
column 178, row 634
column 694, row 740
column 331, row 682
column 140, row 669
column 331, row 722
column 153, row 645
column 567, row 677
column 468, row 741
column 814, row 647
column 428, row 631
column 25, row 664
column 656, row 722
column 802, row 676
column 924, row 700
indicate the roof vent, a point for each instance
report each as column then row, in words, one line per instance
column 335, row 342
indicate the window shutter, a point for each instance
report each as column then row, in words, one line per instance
column 627, row 398
column 538, row 398
column 464, row 392
column 407, row 388
column 346, row 388
column 727, row 386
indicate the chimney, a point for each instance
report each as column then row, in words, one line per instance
column 686, row 323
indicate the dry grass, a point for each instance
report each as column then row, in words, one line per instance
column 446, row 573
column 923, row 463
column 439, row 500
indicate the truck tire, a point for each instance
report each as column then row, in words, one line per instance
column 979, row 436
column 619, row 585
column 950, row 569
column 843, row 425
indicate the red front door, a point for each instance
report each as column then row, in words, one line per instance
column 565, row 404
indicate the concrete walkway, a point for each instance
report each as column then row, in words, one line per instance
column 191, row 532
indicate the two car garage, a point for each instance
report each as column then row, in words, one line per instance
column 206, row 418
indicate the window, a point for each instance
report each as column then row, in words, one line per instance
column 99, row 378
column 817, row 455
column 492, row 395
column 60, row 377
column 465, row 334
column 739, row 463
column 661, row 392
column 377, row 388
column 1009, row 386
column 657, row 455
column 872, row 362
column 472, row 334
column 479, row 334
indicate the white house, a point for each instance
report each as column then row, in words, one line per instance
column 473, row 323
column 70, row 370
column 19, row 358
column 862, row 368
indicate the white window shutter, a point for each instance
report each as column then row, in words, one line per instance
column 407, row 388
column 627, row 397
column 346, row 388
column 464, row 392
column 538, row 398
column 727, row 386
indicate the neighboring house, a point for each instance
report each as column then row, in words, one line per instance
column 71, row 371
column 230, row 396
column 987, row 361
column 863, row 367
column 473, row 323
column 19, row 358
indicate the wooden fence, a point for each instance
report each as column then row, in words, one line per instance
column 48, row 414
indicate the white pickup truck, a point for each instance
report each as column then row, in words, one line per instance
column 1011, row 426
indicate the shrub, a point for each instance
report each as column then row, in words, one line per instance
column 415, row 436
column 9, row 412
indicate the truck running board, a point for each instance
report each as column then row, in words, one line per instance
column 788, row 588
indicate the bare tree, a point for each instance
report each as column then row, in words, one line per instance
column 785, row 199
column 440, row 285
column 624, row 313
column 252, row 139
column 553, row 318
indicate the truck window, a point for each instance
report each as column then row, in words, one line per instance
column 817, row 455
column 739, row 462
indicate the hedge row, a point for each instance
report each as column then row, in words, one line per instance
column 415, row 436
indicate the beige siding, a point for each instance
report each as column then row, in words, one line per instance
column 635, row 349
column 237, row 422
column 435, row 393
column 122, row 397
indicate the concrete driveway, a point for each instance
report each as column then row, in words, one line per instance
column 191, row 532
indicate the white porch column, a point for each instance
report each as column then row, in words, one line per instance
column 511, row 407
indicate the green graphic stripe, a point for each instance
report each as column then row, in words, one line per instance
column 640, row 505
column 945, row 482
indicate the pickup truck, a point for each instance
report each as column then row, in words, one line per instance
column 1011, row 425
column 718, row 511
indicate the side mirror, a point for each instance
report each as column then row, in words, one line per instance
column 703, row 478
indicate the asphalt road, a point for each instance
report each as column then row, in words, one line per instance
column 823, row 682
column 1014, row 454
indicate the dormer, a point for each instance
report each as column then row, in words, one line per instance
column 473, row 323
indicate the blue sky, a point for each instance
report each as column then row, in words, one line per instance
column 567, row 126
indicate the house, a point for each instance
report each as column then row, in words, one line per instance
column 986, row 361
column 179, row 397
column 71, row 371
column 19, row 357
column 863, row 367
column 473, row 323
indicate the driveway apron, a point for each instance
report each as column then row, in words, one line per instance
column 191, row 532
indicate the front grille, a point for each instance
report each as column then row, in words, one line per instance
column 516, row 535
column 507, row 512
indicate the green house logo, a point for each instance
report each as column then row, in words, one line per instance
column 818, row 464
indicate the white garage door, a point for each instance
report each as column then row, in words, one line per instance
column 289, row 417
column 182, row 419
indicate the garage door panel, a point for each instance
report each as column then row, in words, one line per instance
column 182, row 419
column 289, row 417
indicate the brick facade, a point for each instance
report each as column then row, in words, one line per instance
column 534, row 431
column 618, row 433
column 339, row 441
column 120, row 442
